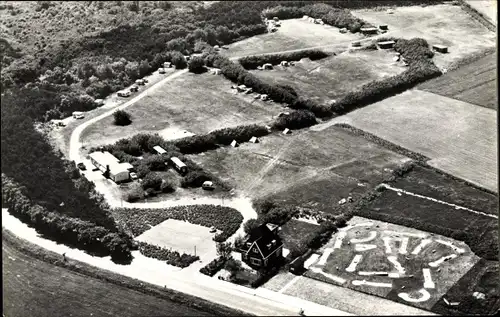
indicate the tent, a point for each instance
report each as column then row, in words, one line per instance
column 254, row 140
column 287, row 131
column 234, row 143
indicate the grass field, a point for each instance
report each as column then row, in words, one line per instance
column 180, row 236
column 332, row 77
column 307, row 168
column 394, row 250
column 33, row 287
column 474, row 83
column 427, row 182
column 487, row 7
column 444, row 24
column 293, row 34
column 483, row 277
column 460, row 138
column 295, row 231
column 193, row 103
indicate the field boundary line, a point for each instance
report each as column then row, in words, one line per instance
column 398, row 190
column 289, row 284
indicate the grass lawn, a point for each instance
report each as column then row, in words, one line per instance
column 285, row 165
column 427, row 182
column 484, row 278
column 194, row 103
column 332, row 77
column 474, row 83
column 296, row 232
column 403, row 244
column 292, row 34
column 460, row 138
column 443, row 24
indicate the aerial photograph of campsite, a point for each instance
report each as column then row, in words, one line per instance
column 249, row 158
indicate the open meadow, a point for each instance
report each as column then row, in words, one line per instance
column 443, row 24
column 293, row 34
column 334, row 76
column 460, row 138
column 398, row 263
column 189, row 104
column 306, row 168
column 473, row 83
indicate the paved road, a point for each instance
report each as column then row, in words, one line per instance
column 32, row 287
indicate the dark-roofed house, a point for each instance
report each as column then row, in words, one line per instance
column 263, row 246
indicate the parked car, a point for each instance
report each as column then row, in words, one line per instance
column 134, row 88
column 124, row 93
column 133, row 176
column 145, row 80
column 161, row 70
column 140, row 82
column 208, row 185
column 213, row 229
column 81, row 166
column 78, row 115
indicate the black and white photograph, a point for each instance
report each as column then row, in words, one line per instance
column 249, row 158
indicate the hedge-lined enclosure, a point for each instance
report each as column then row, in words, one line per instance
column 82, row 234
column 171, row 257
column 251, row 62
column 139, row 220
column 213, row 266
column 420, row 68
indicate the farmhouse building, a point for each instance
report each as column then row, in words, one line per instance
column 386, row 44
column 440, row 48
column 110, row 166
column 179, row 165
column 263, row 246
column 371, row 30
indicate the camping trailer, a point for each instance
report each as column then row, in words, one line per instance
column 78, row 115
column 440, row 48
column 386, row 44
column 179, row 165
column 267, row 66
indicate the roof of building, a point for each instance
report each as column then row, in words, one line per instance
column 263, row 236
column 439, row 46
column 159, row 149
column 386, row 42
column 177, row 162
column 119, row 168
column 369, row 29
column 104, row 158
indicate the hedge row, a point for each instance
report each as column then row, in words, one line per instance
column 389, row 145
column 278, row 93
column 171, row 257
column 420, row 68
column 225, row 219
column 295, row 120
column 84, row 235
column 251, row 62
column 213, row 267
column 340, row 18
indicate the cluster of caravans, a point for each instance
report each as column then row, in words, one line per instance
column 249, row 90
column 269, row 66
column 272, row 25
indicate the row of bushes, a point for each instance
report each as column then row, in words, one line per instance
column 82, row 234
column 341, row 18
column 225, row 219
column 251, row 62
column 420, row 68
column 171, row 257
column 213, row 266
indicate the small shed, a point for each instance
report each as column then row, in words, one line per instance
column 356, row 44
column 343, row 30
column 254, row 140
column 371, row 30
column 386, row 44
column 287, row 131
column 440, row 48
column 284, row 63
column 235, row 144
column 383, row 27
column 179, row 165
column 267, row 66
